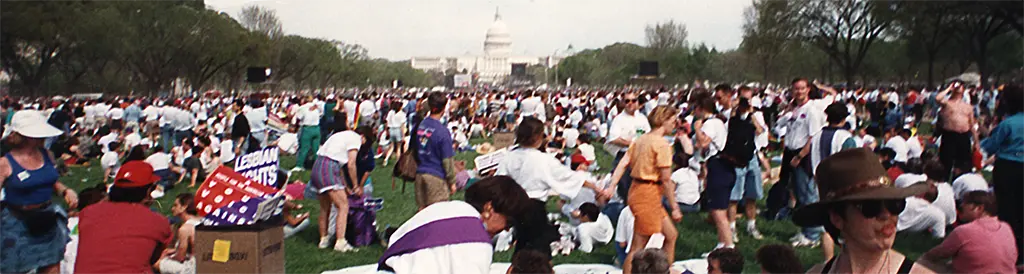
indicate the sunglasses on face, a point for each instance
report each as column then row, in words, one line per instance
column 873, row 208
column 630, row 100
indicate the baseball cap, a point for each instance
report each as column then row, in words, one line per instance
column 578, row 158
column 135, row 174
column 32, row 124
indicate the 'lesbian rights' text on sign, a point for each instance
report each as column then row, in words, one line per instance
column 260, row 166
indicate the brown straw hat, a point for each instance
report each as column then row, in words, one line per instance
column 854, row 174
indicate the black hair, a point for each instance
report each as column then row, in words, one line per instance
column 886, row 152
column 729, row 259
column 188, row 200
column 798, row 80
column 531, row 261
column 590, row 210
column 1011, row 100
column 906, row 131
column 129, row 194
column 913, row 166
column 529, row 131
column 112, row 146
column 935, row 170
column 836, row 113
column 371, row 138
column 136, row 153
column 724, row 87
column 436, row 101
column 504, row 194
column 777, row 258
column 91, row 196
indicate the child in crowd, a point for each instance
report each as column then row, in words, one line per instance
column 593, row 227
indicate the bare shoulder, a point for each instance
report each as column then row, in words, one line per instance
column 5, row 167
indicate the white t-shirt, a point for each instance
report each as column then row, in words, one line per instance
column 227, row 150
column 132, row 140
column 115, row 113
column 967, row 183
column 366, row 108
column 761, row 140
column 350, row 110
column 159, row 160
column 109, row 160
column 899, row 145
column 715, row 129
column 946, row 201
column 105, row 141
column 571, row 135
column 151, row 113
column 624, row 229
column 804, row 122
column 914, row 148
column 627, row 127
column 909, row 179
column 920, row 215
column 511, row 104
column 530, row 106
column 257, row 119
column 396, row 119
column 687, row 185
column 339, row 144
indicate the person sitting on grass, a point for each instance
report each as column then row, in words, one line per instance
column 111, row 160
column 161, row 162
column 193, row 167
column 530, row 262
column 179, row 259
column 593, row 226
column 776, row 258
column 651, row 260
column 983, row 244
column 725, row 261
column 122, row 235
column 455, row 236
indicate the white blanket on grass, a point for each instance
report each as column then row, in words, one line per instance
column 697, row 266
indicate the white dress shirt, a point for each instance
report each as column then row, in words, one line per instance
column 540, row 173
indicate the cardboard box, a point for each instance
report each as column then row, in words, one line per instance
column 255, row 248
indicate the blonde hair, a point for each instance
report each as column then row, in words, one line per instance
column 660, row 115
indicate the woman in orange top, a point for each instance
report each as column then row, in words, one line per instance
column 651, row 159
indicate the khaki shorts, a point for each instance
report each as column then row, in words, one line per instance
column 430, row 189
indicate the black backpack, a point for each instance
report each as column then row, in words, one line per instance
column 739, row 143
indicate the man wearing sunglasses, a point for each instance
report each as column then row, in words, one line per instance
column 624, row 128
column 860, row 206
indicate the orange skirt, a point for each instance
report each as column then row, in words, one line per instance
column 645, row 203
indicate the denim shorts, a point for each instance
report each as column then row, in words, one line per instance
column 748, row 182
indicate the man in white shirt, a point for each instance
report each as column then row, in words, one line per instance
column 367, row 111
column 183, row 122
column 396, row 122
column 111, row 160
column 308, row 116
column 804, row 119
column 593, row 227
column 257, row 117
column 601, row 108
column 626, row 127
column 920, row 214
column 350, row 105
column 898, row 144
column 530, row 107
column 116, row 116
column 914, row 148
column 114, row 135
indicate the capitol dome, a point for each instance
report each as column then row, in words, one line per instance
column 498, row 41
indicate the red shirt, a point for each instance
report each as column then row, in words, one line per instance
column 894, row 172
column 119, row 238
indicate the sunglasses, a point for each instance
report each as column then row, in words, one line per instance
column 630, row 100
column 873, row 208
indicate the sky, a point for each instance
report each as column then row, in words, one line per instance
column 401, row 29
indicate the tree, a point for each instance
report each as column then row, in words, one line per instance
column 768, row 29
column 927, row 26
column 665, row 36
column 34, row 37
column 261, row 20
column 844, row 29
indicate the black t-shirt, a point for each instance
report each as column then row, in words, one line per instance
column 240, row 128
column 194, row 163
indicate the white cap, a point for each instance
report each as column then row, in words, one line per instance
column 32, row 124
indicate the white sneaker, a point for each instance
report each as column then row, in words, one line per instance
column 754, row 233
column 805, row 242
column 343, row 246
column 324, row 242
column 297, row 168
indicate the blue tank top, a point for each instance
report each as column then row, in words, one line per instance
column 30, row 187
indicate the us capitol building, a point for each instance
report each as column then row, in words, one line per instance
column 494, row 66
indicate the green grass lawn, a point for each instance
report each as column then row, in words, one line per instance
column 302, row 255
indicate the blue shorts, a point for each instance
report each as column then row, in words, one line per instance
column 748, row 182
column 720, row 180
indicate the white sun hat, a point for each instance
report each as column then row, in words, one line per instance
column 32, row 124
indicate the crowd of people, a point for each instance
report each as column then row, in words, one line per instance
column 856, row 166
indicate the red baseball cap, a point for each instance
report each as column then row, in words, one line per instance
column 578, row 158
column 135, row 174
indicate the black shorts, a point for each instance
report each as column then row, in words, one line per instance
column 720, row 180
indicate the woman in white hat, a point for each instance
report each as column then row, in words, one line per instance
column 34, row 230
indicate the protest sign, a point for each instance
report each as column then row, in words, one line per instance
column 260, row 166
column 228, row 198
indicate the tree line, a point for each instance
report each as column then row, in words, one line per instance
column 63, row 47
column 838, row 41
